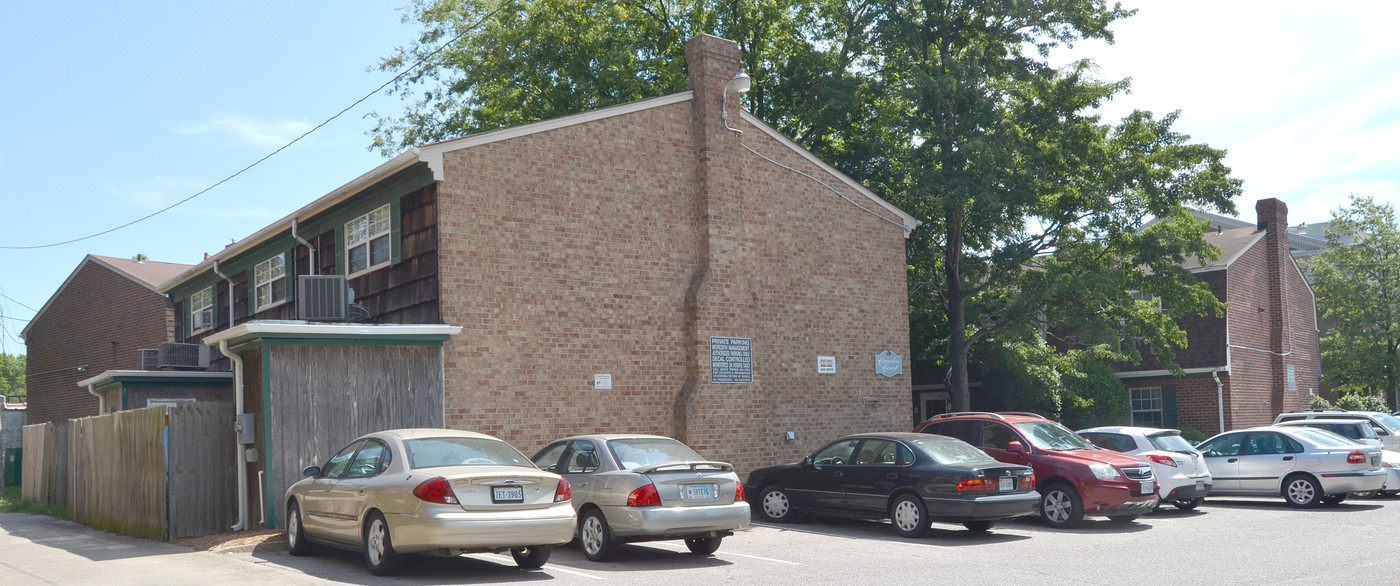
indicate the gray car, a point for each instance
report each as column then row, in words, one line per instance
column 629, row 488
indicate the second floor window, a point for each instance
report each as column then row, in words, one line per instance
column 270, row 282
column 367, row 241
column 202, row 309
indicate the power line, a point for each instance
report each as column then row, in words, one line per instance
column 21, row 304
column 420, row 62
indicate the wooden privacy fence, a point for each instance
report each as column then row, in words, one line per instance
column 150, row 472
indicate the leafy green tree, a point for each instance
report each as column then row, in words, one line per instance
column 1361, row 401
column 1357, row 282
column 12, row 370
column 1035, row 211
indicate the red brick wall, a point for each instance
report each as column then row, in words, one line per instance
column 101, row 318
column 1197, row 403
column 572, row 252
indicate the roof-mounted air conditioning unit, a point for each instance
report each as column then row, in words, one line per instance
column 182, row 356
column 322, row 298
column 149, row 358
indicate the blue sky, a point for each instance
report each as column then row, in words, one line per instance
column 115, row 110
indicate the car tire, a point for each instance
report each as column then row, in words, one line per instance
column 297, row 544
column 1302, row 491
column 595, row 537
column 380, row 556
column 774, row 504
column 909, row 516
column 532, row 557
column 1060, row 506
column 1188, row 504
column 703, row 545
column 1333, row 499
column 979, row 526
column 1122, row 519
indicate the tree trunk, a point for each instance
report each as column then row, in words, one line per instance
column 957, row 317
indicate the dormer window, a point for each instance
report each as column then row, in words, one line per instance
column 270, row 282
column 367, row 242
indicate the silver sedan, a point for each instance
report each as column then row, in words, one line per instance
column 1305, row 466
column 438, row 491
column 631, row 488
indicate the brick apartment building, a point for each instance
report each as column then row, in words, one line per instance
column 670, row 266
column 105, row 311
column 1258, row 360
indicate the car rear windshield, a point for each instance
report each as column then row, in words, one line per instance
column 433, row 452
column 947, row 452
column 636, row 453
column 1171, row 443
column 1325, row 438
column 1390, row 422
column 1048, row 435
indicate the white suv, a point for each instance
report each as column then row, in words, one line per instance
column 1386, row 426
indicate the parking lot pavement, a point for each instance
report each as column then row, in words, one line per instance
column 1234, row 541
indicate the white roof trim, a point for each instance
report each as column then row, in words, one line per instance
column 432, row 154
column 1156, row 373
column 111, row 375
column 254, row 328
column 909, row 222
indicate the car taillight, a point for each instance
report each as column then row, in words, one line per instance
column 644, row 497
column 1162, row 459
column 739, row 492
column 1028, row 482
column 564, row 492
column 977, row 485
column 1356, row 458
column 436, row 490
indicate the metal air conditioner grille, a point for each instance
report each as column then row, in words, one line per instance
column 182, row 356
column 322, row 298
column 148, row 358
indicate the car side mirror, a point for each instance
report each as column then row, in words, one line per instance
column 1015, row 447
column 311, row 471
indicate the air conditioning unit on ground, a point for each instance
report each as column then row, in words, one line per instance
column 149, row 358
column 322, row 298
column 182, row 356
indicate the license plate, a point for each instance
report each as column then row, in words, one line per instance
column 1147, row 487
column 507, row 494
column 1200, row 486
column 698, row 492
column 1007, row 484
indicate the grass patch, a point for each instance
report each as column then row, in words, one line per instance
column 10, row 502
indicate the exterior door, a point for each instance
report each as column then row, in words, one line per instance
column 1267, row 457
column 821, row 482
column 872, row 476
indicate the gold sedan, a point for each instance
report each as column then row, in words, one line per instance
column 432, row 491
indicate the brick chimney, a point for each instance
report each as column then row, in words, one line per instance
column 1273, row 220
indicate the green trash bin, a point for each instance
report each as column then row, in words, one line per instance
column 13, row 458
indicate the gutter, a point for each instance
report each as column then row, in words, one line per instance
column 101, row 399
column 231, row 303
column 237, row 446
column 309, row 248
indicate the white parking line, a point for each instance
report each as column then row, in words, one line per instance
column 808, row 531
column 722, row 552
column 558, row 568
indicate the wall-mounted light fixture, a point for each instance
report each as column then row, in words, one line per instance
column 741, row 83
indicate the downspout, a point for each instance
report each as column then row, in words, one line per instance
column 1219, row 397
column 238, row 447
column 101, row 400
column 309, row 248
column 231, row 303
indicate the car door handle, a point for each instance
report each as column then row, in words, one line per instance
column 1287, row 458
column 838, row 474
column 1233, row 460
column 892, row 476
column 361, row 491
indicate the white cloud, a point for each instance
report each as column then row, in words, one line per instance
column 1319, row 205
column 263, row 134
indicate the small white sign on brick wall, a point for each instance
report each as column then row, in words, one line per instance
column 602, row 382
column 826, row 365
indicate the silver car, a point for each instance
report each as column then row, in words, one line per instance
column 1306, row 466
column 630, row 488
column 438, row 491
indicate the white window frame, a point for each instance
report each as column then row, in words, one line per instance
column 265, row 274
column 198, row 311
column 1148, row 404
column 363, row 232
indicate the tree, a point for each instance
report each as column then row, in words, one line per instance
column 1034, row 210
column 1357, row 282
column 12, row 377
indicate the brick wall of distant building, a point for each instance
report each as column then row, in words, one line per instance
column 101, row 318
column 1197, row 404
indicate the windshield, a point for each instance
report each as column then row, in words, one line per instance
column 947, row 452
column 635, row 453
column 1171, row 443
column 1048, row 435
column 462, row 451
column 1390, row 422
column 1325, row 438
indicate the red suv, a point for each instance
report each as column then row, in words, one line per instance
column 1074, row 477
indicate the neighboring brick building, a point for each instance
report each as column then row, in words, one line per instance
column 591, row 261
column 1258, row 360
column 105, row 311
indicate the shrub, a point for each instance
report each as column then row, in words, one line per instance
column 1192, row 435
column 1357, row 401
column 1320, row 402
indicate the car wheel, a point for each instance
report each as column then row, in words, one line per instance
column 1302, row 491
column 379, row 547
column 703, row 545
column 979, row 526
column 1060, row 506
column 909, row 516
column 1333, row 499
column 531, row 558
column 775, row 505
column 1122, row 519
column 1188, row 504
column 595, row 537
column 296, row 535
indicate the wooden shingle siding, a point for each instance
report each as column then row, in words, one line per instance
column 407, row 292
